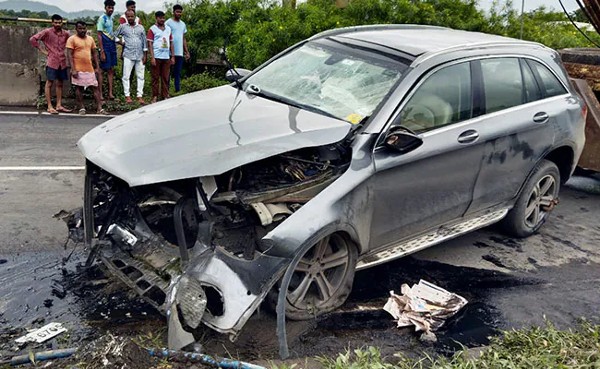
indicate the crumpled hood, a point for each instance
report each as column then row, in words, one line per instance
column 203, row 134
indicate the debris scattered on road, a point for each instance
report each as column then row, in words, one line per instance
column 113, row 351
column 74, row 220
column 43, row 334
column 424, row 305
column 428, row 337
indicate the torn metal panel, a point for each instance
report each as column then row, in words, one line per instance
column 237, row 286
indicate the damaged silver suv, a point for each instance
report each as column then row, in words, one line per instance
column 347, row 150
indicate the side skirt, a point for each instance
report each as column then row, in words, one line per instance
column 428, row 239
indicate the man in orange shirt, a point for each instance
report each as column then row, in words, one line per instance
column 81, row 48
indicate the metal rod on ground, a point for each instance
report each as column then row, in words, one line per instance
column 181, row 356
column 40, row 356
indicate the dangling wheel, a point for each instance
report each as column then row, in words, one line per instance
column 538, row 198
column 322, row 279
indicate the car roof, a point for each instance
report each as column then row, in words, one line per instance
column 417, row 40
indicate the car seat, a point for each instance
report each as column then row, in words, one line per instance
column 426, row 111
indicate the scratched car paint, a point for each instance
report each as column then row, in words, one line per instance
column 349, row 149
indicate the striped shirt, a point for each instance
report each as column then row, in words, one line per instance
column 135, row 41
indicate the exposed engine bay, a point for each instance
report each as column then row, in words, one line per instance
column 172, row 242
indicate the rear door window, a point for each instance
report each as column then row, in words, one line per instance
column 549, row 84
column 502, row 83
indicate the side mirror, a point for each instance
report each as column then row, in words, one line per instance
column 402, row 140
column 233, row 75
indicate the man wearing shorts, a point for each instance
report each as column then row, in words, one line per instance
column 54, row 40
column 81, row 48
column 108, row 46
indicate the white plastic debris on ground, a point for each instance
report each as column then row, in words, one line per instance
column 43, row 334
column 424, row 305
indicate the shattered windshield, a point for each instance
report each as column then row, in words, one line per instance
column 329, row 78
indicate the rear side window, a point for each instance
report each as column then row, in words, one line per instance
column 532, row 91
column 550, row 85
column 502, row 83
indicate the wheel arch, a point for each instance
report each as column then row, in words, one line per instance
column 563, row 158
column 345, row 230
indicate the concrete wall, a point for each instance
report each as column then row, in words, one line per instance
column 22, row 68
column 19, row 75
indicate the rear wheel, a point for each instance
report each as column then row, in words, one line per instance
column 537, row 199
column 322, row 279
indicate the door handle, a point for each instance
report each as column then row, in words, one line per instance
column 468, row 136
column 541, row 117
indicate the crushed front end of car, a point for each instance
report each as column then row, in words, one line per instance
column 195, row 248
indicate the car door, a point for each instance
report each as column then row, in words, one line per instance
column 431, row 185
column 517, row 126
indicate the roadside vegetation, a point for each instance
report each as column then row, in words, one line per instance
column 255, row 30
column 534, row 348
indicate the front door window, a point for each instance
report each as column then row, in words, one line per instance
column 443, row 98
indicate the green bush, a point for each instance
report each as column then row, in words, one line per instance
column 198, row 82
column 255, row 30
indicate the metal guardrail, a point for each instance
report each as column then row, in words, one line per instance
column 37, row 20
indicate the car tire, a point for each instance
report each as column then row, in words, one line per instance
column 535, row 202
column 322, row 279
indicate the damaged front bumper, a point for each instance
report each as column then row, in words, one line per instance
column 192, row 283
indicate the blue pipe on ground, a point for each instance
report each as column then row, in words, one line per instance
column 181, row 356
column 41, row 356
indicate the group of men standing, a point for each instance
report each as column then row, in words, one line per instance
column 164, row 45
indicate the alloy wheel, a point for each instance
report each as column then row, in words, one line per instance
column 541, row 201
column 320, row 274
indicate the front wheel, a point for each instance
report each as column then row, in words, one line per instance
column 322, row 279
column 537, row 199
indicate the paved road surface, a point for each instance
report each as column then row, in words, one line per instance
column 29, row 198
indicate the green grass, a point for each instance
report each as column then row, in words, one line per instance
column 541, row 347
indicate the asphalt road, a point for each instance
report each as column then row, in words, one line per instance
column 30, row 194
column 508, row 282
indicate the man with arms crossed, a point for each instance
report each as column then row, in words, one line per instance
column 134, row 54
column 180, row 46
column 81, row 48
column 54, row 40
